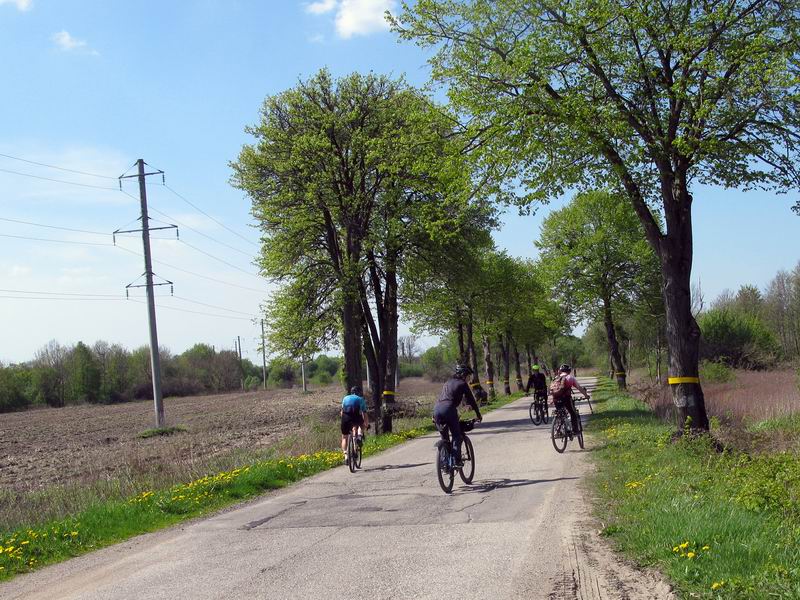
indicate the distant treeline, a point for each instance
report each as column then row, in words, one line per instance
column 108, row 373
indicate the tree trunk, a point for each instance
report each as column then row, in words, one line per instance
column 389, row 340
column 613, row 344
column 462, row 353
column 351, row 342
column 376, row 385
column 505, row 355
column 528, row 356
column 683, row 340
column 489, row 365
column 517, row 368
column 472, row 357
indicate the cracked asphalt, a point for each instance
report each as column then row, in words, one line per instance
column 387, row 531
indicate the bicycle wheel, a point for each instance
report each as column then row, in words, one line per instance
column 533, row 411
column 546, row 412
column 467, row 472
column 358, row 452
column 443, row 471
column 558, row 434
column 579, row 433
column 351, row 454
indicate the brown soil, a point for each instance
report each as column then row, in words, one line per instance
column 83, row 444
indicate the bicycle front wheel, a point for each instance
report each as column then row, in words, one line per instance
column 558, row 434
column 533, row 411
column 443, row 471
column 351, row 454
column 467, row 472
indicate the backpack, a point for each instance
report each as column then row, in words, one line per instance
column 559, row 388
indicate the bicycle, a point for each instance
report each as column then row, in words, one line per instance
column 538, row 410
column 354, row 450
column 561, row 431
column 446, row 466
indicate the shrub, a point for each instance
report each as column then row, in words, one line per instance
column 715, row 372
column 252, row 382
column 13, row 384
column 737, row 339
column 322, row 377
column 411, row 370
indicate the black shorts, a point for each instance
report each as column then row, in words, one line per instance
column 349, row 421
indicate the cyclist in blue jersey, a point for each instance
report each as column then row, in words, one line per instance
column 354, row 416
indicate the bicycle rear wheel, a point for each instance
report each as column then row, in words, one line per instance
column 534, row 414
column 443, row 471
column 351, row 454
column 558, row 434
column 358, row 452
column 546, row 412
column 467, row 472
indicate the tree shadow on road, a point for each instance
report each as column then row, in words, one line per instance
column 489, row 485
column 393, row 467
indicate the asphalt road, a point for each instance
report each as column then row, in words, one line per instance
column 522, row 530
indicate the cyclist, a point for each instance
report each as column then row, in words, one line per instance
column 445, row 411
column 561, row 389
column 537, row 381
column 354, row 416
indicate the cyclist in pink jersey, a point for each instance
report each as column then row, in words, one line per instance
column 569, row 382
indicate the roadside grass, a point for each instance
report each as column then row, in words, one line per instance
column 717, row 524
column 783, row 424
column 102, row 522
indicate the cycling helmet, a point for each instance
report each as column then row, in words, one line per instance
column 462, row 371
column 564, row 369
column 535, row 367
column 356, row 390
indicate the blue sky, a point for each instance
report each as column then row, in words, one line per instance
column 94, row 85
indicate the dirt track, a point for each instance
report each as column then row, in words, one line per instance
column 53, row 446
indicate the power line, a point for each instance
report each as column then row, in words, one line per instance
column 161, row 262
column 184, row 225
column 86, row 185
column 224, row 262
column 197, row 312
column 49, row 298
column 105, row 233
column 33, row 162
column 214, row 306
column 220, row 223
column 62, row 293
column 23, row 237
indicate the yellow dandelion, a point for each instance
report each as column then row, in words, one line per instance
column 706, row 548
column 717, row 584
column 684, row 545
column 690, row 555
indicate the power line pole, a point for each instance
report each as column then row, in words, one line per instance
column 241, row 365
column 263, row 355
column 155, row 361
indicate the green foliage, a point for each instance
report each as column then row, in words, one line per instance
column 15, row 382
column 438, row 361
column 661, row 501
column 411, row 369
column 281, row 372
column 715, row 372
column 252, row 383
column 736, row 338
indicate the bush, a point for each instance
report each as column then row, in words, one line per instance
column 714, row 372
column 281, row 373
column 737, row 339
column 13, row 384
column 252, row 382
column 322, row 377
column 411, row 370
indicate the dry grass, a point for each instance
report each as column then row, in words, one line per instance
column 739, row 406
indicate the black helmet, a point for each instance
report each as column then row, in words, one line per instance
column 565, row 368
column 462, row 371
column 356, row 390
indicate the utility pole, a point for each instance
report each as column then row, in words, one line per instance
column 303, row 373
column 241, row 365
column 263, row 355
column 155, row 361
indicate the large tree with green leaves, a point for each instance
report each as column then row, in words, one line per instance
column 650, row 96
column 595, row 253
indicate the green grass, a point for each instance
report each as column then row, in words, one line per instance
column 705, row 519
column 27, row 547
column 784, row 423
column 148, row 433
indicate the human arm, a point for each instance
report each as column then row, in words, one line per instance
column 470, row 399
column 364, row 412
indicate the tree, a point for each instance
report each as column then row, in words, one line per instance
column 345, row 177
column 84, row 376
column 595, row 251
column 651, row 97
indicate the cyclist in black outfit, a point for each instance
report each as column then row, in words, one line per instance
column 445, row 411
column 537, row 381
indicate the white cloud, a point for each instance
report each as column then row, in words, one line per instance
column 361, row 17
column 20, row 4
column 320, row 7
column 65, row 42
